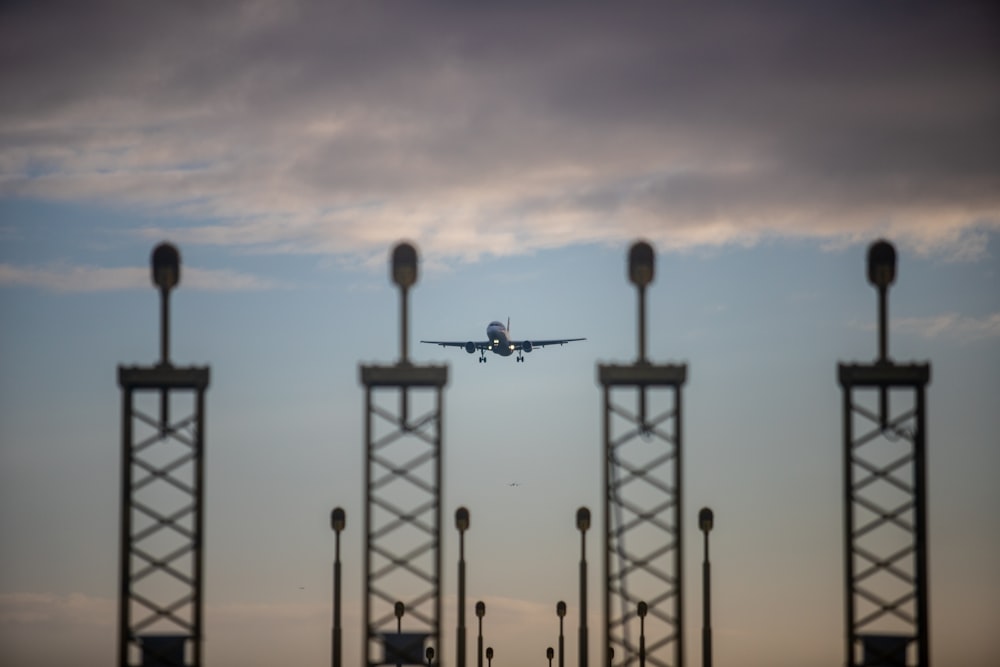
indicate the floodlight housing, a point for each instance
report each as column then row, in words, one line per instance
column 462, row 519
column 399, row 610
column 641, row 264
column 642, row 609
column 881, row 264
column 705, row 519
column 165, row 263
column 338, row 519
column 404, row 265
column 583, row 519
column 480, row 609
column 560, row 609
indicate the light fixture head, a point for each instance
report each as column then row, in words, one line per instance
column 560, row 609
column 338, row 519
column 705, row 519
column 462, row 519
column 583, row 519
column 166, row 266
column 480, row 609
column 641, row 263
column 404, row 265
column 881, row 264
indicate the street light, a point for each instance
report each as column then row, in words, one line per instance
column 642, row 609
column 399, row 609
column 404, row 274
column 549, row 653
column 338, row 520
column 165, row 267
column 705, row 521
column 582, row 524
column 462, row 524
column 480, row 612
column 561, row 613
column 489, row 656
column 641, row 268
column 881, row 274
column 430, row 655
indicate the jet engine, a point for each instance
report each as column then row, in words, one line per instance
column 470, row 347
column 526, row 346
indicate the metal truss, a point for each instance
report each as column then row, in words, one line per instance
column 162, row 512
column 885, row 518
column 643, row 513
column 403, row 511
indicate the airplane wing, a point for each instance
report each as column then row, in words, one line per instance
column 484, row 345
column 528, row 345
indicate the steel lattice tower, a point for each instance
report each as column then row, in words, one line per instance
column 162, row 501
column 643, row 554
column 885, row 502
column 403, row 498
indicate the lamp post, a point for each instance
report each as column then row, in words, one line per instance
column 338, row 520
column 641, row 611
column 480, row 612
column 399, row 609
column 165, row 266
column 582, row 524
column 705, row 521
column 881, row 274
column 462, row 524
column 489, row 656
column 429, row 653
column 561, row 613
column 641, row 269
column 404, row 274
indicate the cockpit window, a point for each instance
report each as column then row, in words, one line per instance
column 496, row 324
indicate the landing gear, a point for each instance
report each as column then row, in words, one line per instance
column 482, row 358
column 520, row 358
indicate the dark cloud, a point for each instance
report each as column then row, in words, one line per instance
column 818, row 120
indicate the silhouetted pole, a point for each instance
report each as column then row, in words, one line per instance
column 582, row 524
column 480, row 612
column 642, row 609
column 404, row 274
column 640, row 271
column 489, row 656
column 429, row 653
column 881, row 274
column 561, row 613
column 549, row 653
column 338, row 520
column 165, row 264
column 399, row 610
column 462, row 524
column 705, row 521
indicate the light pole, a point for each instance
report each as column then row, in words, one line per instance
column 462, row 524
column 489, row 656
column 705, row 521
column 641, row 268
column 338, row 520
column 881, row 274
column 399, row 609
column 642, row 609
column 561, row 613
column 165, row 265
column 430, row 655
column 549, row 653
column 582, row 524
column 480, row 612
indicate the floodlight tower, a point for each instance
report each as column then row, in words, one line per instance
column 403, row 494
column 162, row 499
column 643, row 546
column 885, row 514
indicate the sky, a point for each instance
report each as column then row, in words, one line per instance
column 522, row 147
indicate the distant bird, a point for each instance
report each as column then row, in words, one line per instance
column 514, row 484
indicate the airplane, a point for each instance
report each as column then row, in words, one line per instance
column 501, row 343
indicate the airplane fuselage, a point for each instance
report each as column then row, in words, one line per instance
column 496, row 334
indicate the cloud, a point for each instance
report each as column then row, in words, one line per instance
column 306, row 127
column 950, row 325
column 65, row 278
